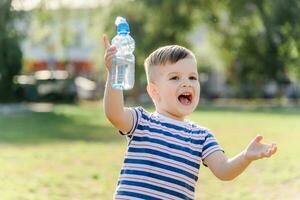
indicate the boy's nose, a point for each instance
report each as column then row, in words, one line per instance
column 186, row 83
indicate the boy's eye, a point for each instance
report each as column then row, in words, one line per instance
column 174, row 78
column 194, row 78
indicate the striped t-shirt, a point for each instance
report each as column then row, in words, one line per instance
column 163, row 157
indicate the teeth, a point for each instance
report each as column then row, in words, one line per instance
column 186, row 93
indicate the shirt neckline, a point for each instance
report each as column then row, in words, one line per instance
column 170, row 120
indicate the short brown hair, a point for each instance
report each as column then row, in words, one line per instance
column 163, row 55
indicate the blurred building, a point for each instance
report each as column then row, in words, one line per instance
column 53, row 48
column 50, row 53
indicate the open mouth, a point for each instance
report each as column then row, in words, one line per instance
column 185, row 98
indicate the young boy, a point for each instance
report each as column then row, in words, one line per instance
column 165, row 151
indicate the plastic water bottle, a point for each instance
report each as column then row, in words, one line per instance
column 122, row 76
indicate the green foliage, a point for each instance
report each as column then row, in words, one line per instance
column 258, row 41
column 263, row 39
column 10, row 53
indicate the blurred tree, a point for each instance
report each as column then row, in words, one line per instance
column 263, row 41
column 258, row 40
column 10, row 53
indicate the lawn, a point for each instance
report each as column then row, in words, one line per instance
column 73, row 153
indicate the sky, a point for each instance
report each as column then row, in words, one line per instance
column 56, row 4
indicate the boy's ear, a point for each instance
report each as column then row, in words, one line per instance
column 153, row 92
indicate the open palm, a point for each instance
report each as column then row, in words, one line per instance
column 257, row 150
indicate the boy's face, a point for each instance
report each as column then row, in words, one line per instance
column 176, row 88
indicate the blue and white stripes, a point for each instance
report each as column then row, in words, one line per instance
column 163, row 158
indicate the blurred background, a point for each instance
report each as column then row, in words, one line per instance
column 52, row 80
column 51, row 50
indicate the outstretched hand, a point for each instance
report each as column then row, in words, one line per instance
column 110, row 51
column 257, row 150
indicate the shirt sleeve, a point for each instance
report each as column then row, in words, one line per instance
column 136, row 115
column 210, row 145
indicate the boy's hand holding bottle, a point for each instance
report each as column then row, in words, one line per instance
column 110, row 51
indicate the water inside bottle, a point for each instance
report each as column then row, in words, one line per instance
column 123, row 78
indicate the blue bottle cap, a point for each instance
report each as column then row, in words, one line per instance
column 122, row 25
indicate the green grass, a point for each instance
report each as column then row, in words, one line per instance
column 74, row 153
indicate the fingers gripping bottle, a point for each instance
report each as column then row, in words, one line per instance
column 122, row 76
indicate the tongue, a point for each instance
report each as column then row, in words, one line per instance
column 184, row 100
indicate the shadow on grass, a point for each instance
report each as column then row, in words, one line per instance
column 36, row 128
column 86, row 125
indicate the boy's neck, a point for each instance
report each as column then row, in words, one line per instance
column 170, row 115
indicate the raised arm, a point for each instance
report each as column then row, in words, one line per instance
column 227, row 169
column 113, row 102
